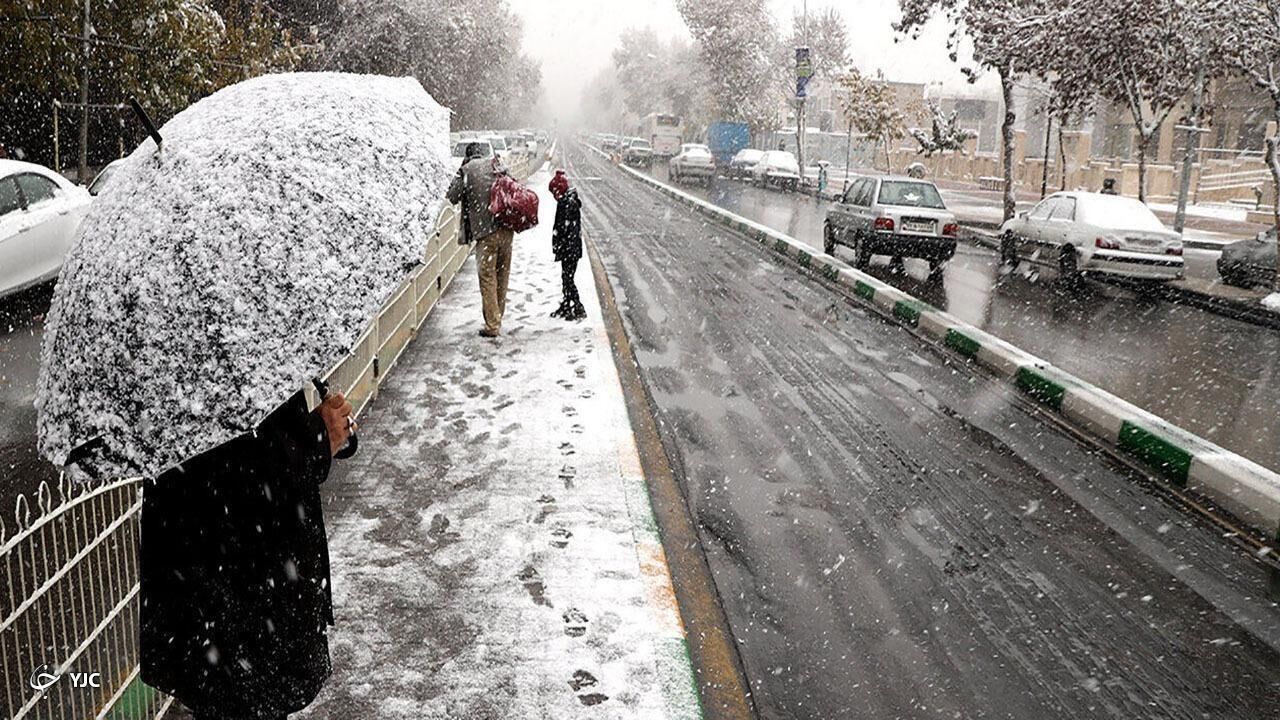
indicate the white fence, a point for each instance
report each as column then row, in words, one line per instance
column 69, row 599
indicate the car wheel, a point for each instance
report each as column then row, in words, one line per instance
column 1069, row 265
column 828, row 240
column 1008, row 251
column 861, row 253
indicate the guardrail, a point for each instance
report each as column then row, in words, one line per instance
column 69, row 600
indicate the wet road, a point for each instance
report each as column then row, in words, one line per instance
column 891, row 538
column 21, row 327
column 1215, row 376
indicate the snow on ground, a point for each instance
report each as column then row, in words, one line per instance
column 482, row 540
column 1272, row 302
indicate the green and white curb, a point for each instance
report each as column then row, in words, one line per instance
column 674, row 666
column 1177, row 456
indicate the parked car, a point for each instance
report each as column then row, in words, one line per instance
column 500, row 147
column 744, row 162
column 777, row 168
column 694, row 162
column 610, row 142
column 103, row 177
column 460, row 150
column 639, row 152
column 1091, row 232
column 895, row 216
column 40, row 212
column 1251, row 262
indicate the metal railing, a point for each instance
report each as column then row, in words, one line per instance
column 69, row 599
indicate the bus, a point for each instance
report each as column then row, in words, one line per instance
column 664, row 132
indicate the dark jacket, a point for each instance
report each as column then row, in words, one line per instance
column 471, row 188
column 235, row 572
column 566, row 234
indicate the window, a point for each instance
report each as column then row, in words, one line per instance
column 1065, row 209
column 910, row 194
column 851, row 192
column 1041, row 211
column 36, row 189
column 9, row 201
column 865, row 193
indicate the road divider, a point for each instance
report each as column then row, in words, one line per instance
column 1186, row 461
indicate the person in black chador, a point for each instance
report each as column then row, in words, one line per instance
column 566, row 244
column 234, row 569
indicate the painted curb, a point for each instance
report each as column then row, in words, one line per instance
column 1176, row 456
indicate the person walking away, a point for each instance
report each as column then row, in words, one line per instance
column 1109, row 186
column 234, row 569
column 471, row 187
column 566, row 245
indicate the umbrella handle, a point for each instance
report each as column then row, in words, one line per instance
column 353, row 442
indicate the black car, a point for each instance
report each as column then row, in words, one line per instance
column 1251, row 262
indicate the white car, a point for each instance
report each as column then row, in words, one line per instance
column 40, row 212
column 744, row 162
column 1091, row 232
column 500, row 148
column 460, row 150
column 778, row 168
column 693, row 162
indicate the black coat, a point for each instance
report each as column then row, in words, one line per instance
column 566, row 234
column 235, row 572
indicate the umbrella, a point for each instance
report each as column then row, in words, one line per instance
column 223, row 270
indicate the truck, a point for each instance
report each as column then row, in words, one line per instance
column 664, row 132
column 725, row 140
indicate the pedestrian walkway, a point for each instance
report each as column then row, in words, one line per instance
column 494, row 553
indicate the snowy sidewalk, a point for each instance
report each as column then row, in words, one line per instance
column 493, row 550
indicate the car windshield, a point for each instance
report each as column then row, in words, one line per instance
column 498, row 143
column 1115, row 212
column 103, row 177
column 910, row 194
column 460, row 149
column 781, row 160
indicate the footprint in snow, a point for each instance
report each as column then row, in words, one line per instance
column 582, row 683
column 575, row 622
column 560, row 537
column 567, row 474
column 532, row 582
column 566, row 449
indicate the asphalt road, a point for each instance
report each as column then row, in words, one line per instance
column 1215, row 376
column 21, row 327
column 892, row 539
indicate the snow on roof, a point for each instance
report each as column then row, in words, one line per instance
column 212, row 279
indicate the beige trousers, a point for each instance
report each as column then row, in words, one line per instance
column 493, row 259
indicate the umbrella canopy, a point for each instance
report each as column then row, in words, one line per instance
column 214, row 277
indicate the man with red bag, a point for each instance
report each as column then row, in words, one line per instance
column 471, row 187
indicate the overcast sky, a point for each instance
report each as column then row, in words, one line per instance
column 574, row 39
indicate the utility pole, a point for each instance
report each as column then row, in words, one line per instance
column 1048, row 139
column 1193, row 143
column 801, row 92
column 83, row 172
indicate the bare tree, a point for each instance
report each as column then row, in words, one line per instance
column 1141, row 54
column 997, row 29
column 1253, row 27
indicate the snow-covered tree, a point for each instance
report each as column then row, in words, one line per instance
column 870, row 106
column 945, row 133
column 466, row 53
column 166, row 53
column 997, row 29
column 1142, row 54
column 737, row 41
column 1252, row 29
column 827, row 37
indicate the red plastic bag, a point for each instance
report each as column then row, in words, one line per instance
column 513, row 205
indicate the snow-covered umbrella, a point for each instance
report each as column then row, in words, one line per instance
column 221, row 272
